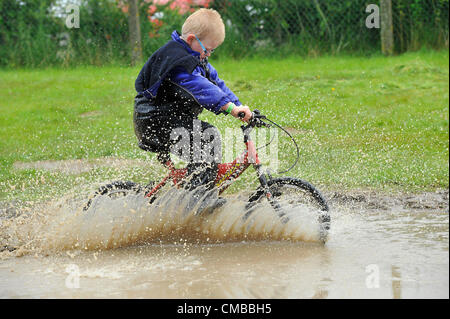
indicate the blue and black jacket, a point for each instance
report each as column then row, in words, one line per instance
column 174, row 81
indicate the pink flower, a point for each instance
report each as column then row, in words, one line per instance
column 160, row 2
column 122, row 6
column 202, row 3
column 152, row 9
column 157, row 23
column 183, row 6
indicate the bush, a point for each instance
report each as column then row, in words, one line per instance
column 28, row 33
column 33, row 35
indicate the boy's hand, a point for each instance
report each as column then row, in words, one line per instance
column 244, row 109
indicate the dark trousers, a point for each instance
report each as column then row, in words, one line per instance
column 196, row 142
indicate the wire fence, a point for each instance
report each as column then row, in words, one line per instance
column 38, row 33
column 306, row 27
column 318, row 26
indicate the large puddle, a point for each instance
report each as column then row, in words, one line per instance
column 127, row 249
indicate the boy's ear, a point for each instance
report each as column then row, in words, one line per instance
column 190, row 38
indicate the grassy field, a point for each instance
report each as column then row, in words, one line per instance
column 361, row 123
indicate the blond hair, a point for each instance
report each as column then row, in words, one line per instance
column 205, row 23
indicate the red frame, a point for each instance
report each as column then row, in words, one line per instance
column 226, row 174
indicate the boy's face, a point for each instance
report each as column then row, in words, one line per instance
column 196, row 45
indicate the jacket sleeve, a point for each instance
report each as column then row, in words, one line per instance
column 210, row 96
column 223, row 86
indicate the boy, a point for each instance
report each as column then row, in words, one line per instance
column 175, row 85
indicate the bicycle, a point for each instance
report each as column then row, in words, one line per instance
column 278, row 191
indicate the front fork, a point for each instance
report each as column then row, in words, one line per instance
column 262, row 176
column 264, row 179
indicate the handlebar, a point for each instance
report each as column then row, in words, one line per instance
column 256, row 120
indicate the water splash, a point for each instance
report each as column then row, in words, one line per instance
column 132, row 220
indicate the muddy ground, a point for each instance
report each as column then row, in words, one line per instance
column 372, row 200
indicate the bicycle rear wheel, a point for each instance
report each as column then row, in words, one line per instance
column 289, row 192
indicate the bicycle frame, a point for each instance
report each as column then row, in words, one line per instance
column 227, row 172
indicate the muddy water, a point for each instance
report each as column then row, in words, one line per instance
column 127, row 249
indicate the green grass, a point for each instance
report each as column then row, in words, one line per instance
column 362, row 123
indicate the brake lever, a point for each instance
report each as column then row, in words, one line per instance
column 265, row 124
column 256, row 119
column 259, row 119
column 261, row 123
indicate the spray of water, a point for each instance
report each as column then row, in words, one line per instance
column 131, row 220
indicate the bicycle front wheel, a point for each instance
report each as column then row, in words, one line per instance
column 288, row 191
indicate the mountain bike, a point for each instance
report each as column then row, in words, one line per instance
column 280, row 192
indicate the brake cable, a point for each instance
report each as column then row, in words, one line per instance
column 292, row 139
column 270, row 142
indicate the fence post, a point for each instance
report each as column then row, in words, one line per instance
column 387, row 29
column 135, row 32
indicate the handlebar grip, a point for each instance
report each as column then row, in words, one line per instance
column 241, row 115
